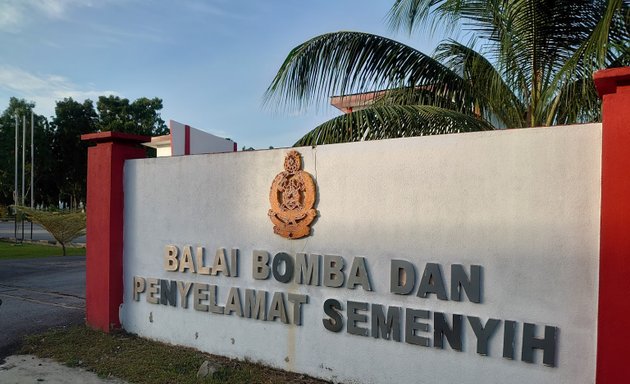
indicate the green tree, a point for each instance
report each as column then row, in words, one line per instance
column 140, row 117
column 529, row 64
column 72, row 119
column 43, row 135
column 63, row 226
column 46, row 186
column 60, row 155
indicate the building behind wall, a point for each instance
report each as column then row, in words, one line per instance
column 186, row 140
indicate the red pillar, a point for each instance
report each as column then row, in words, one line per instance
column 104, row 279
column 613, row 327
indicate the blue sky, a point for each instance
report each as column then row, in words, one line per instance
column 209, row 60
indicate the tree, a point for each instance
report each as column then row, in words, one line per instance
column 141, row 117
column 60, row 155
column 46, row 185
column 529, row 64
column 72, row 119
column 42, row 140
column 63, row 226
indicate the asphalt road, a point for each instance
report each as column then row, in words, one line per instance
column 7, row 231
column 38, row 294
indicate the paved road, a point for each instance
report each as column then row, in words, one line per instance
column 7, row 230
column 38, row 294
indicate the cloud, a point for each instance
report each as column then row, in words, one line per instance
column 115, row 34
column 16, row 14
column 218, row 9
column 44, row 89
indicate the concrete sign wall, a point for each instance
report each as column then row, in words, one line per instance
column 469, row 258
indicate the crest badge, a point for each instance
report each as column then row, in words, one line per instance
column 292, row 197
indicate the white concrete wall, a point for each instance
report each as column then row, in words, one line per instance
column 523, row 204
column 178, row 138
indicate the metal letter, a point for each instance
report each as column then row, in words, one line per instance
column 278, row 308
column 441, row 329
column 432, row 282
column 354, row 317
column 233, row 303
column 214, row 308
column 509, row 331
column 297, row 301
column 402, row 277
column 411, row 326
column 260, row 265
column 482, row 333
column 139, row 284
column 168, row 292
column 202, row 269
column 307, row 269
column 547, row 344
column 183, row 289
column 256, row 304
column 234, row 262
column 278, row 260
column 359, row 274
column 153, row 291
column 332, row 308
column 200, row 294
column 386, row 327
column 220, row 263
column 333, row 271
column 187, row 260
column 170, row 258
column 460, row 281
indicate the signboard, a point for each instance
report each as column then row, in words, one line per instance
column 460, row 258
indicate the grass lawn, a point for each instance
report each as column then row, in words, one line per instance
column 9, row 250
column 141, row 361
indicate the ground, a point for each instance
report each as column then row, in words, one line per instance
column 38, row 294
column 45, row 293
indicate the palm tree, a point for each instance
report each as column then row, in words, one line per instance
column 529, row 64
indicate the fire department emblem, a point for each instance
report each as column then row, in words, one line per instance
column 292, row 196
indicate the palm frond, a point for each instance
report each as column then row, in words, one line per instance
column 391, row 121
column 408, row 15
column 411, row 15
column 343, row 63
column 491, row 96
column 604, row 44
column 536, row 66
column 423, row 96
column 564, row 109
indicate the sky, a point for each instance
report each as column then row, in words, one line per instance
column 210, row 61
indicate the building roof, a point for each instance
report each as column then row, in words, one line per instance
column 355, row 102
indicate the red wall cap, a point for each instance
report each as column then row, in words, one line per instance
column 105, row 137
column 606, row 80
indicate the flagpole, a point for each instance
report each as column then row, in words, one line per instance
column 32, row 167
column 32, row 161
column 15, row 185
column 23, row 167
